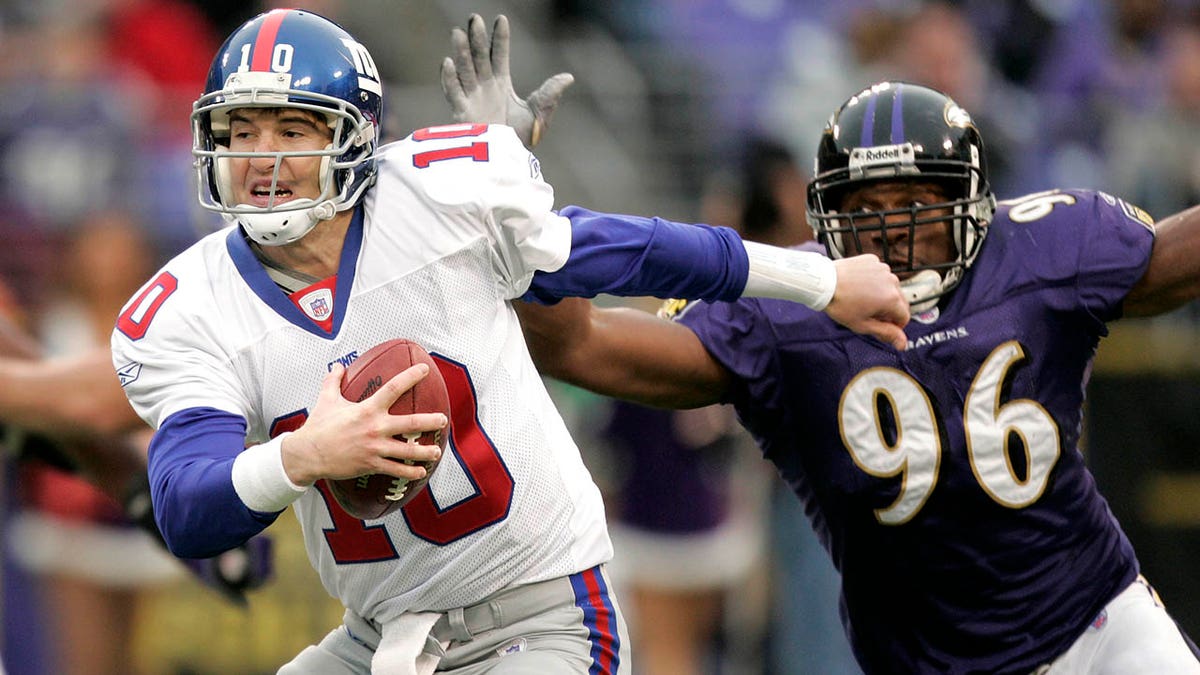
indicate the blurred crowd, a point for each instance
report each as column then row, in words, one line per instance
column 704, row 110
column 1068, row 93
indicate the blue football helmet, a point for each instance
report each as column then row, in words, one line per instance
column 900, row 131
column 295, row 59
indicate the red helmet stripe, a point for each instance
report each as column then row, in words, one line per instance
column 264, row 45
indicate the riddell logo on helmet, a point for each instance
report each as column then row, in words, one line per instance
column 881, row 154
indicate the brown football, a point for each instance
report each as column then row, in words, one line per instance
column 376, row 495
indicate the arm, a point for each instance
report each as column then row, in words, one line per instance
column 78, row 399
column 622, row 352
column 630, row 354
column 75, row 397
column 211, row 493
column 1173, row 275
column 635, row 256
column 15, row 342
column 860, row 293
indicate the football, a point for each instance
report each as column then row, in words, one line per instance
column 375, row 495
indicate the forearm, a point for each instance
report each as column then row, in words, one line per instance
column 76, row 397
column 196, row 506
column 633, row 256
column 623, row 353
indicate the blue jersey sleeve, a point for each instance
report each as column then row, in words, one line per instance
column 195, row 505
column 637, row 256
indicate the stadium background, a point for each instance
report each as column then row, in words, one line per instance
column 94, row 98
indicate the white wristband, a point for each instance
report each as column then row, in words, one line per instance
column 801, row 276
column 259, row 478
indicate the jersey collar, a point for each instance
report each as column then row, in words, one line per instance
column 256, row 278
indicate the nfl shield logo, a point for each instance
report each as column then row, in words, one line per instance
column 318, row 304
column 319, row 309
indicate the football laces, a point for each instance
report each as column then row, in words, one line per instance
column 398, row 489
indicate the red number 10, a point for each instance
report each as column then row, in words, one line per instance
column 352, row 541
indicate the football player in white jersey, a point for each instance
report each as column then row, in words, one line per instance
column 235, row 350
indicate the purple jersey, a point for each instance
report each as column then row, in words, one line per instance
column 945, row 481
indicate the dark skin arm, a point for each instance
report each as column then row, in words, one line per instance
column 1173, row 275
column 622, row 352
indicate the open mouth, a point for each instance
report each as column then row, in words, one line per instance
column 262, row 195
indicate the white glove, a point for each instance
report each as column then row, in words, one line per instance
column 479, row 88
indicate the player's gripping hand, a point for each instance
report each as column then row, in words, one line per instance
column 868, row 300
column 345, row 439
column 479, row 88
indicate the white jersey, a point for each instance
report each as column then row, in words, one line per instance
column 456, row 226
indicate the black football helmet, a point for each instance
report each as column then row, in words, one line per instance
column 898, row 130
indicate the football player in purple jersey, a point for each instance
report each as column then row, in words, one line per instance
column 945, row 478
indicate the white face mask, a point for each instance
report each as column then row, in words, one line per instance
column 347, row 169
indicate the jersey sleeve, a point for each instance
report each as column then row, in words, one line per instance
column 167, row 356
column 739, row 336
column 1088, row 247
column 176, row 376
column 1114, row 255
column 481, row 176
column 638, row 256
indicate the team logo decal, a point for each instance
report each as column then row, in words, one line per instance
column 671, row 309
column 515, row 647
column 318, row 305
column 957, row 117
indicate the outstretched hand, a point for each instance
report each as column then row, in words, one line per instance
column 868, row 300
column 478, row 85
